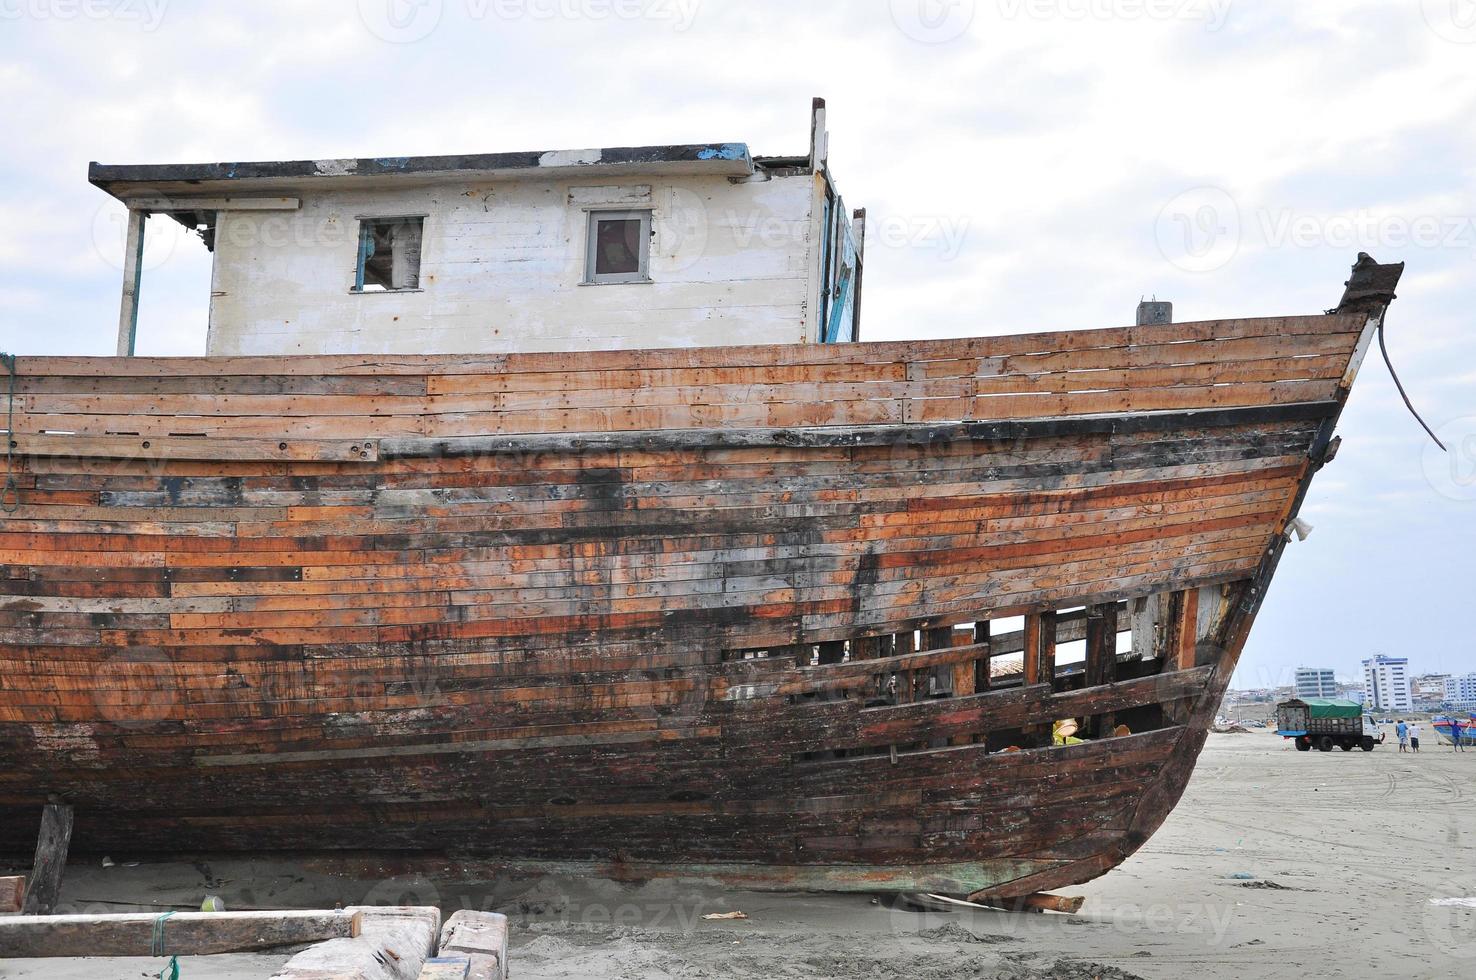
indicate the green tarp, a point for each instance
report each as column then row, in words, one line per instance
column 1330, row 708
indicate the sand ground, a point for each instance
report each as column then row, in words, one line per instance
column 1345, row 852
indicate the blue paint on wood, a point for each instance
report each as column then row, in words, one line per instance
column 728, row 151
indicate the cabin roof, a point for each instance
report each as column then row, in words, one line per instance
column 713, row 159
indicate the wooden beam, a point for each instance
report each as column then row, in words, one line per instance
column 52, row 844
column 1186, row 629
column 1101, row 660
column 482, row 938
column 133, row 247
column 12, row 894
column 1043, row 902
column 184, row 933
column 1044, row 652
column 169, row 205
column 986, row 651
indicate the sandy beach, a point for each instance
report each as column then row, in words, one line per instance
column 1276, row 864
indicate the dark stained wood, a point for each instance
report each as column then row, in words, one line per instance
column 52, row 844
column 1101, row 660
column 643, row 613
column 185, row 933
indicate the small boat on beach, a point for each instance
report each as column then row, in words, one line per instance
column 1445, row 726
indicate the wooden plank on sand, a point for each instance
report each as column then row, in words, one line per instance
column 184, row 933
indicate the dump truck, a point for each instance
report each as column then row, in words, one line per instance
column 1322, row 723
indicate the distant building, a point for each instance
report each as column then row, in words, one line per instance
column 1429, row 690
column 1316, row 682
column 1386, row 683
column 1460, row 692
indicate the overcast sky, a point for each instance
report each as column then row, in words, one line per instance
column 1027, row 164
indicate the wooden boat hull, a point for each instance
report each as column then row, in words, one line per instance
column 736, row 613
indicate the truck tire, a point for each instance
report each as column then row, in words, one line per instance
column 1346, row 746
column 1325, row 744
column 1303, row 743
column 1368, row 743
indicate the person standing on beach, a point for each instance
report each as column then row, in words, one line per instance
column 1402, row 730
column 1455, row 736
column 1414, row 737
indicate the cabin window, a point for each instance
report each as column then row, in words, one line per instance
column 619, row 248
column 389, row 254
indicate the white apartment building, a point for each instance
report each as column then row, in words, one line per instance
column 1386, row 681
column 1316, row 682
column 1461, row 691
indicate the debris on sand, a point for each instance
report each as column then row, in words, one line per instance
column 1069, row 970
column 952, row 932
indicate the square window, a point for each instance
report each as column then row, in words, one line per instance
column 389, row 254
column 619, row 248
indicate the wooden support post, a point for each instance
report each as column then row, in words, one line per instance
column 482, row 938
column 902, row 645
column 1101, row 660
column 184, row 933
column 12, row 894
column 1145, row 615
column 939, row 680
column 1040, row 664
column 52, row 844
column 1186, row 629
column 983, row 666
column 132, row 278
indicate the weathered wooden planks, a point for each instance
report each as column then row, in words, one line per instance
column 341, row 407
column 183, row 933
column 611, row 611
column 12, row 894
